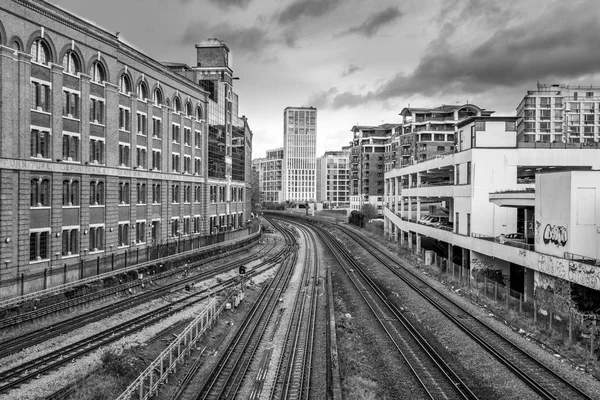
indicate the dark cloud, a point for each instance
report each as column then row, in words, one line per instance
column 223, row 4
column 306, row 8
column 374, row 23
column 250, row 40
column 562, row 44
column 321, row 99
column 350, row 69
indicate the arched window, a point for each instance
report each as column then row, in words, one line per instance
column 16, row 45
column 40, row 53
column 188, row 109
column 124, row 84
column 157, row 97
column 71, row 63
column 198, row 113
column 176, row 104
column 97, row 72
column 142, row 91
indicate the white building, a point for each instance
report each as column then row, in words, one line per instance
column 333, row 171
column 300, row 154
column 495, row 186
column 270, row 176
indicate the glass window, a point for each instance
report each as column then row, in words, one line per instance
column 97, row 72
column 40, row 52
column 71, row 63
column 124, row 84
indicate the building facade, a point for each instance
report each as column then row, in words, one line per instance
column 560, row 114
column 270, row 176
column 506, row 207
column 368, row 162
column 105, row 150
column 300, row 154
column 333, row 172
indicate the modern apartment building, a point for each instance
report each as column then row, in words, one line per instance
column 105, row 150
column 300, row 154
column 367, row 163
column 333, row 172
column 530, row 214
column 560, row 114
column 427, row 132
column 270, row 176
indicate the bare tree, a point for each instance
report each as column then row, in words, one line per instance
column 369, row 211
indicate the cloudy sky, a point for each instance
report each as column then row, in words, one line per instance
column 362, row 61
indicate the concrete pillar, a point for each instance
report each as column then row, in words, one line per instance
column 418, row 244
column 418, row 208
column 409, row 213
column 401, row 233
column 450, row 252
column 410, row 244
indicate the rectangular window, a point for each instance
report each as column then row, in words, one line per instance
column 141, row 157
column 197, row 224
column 97, row 111
column 197, row 166
column 186, row 226
column 480, row 126
column 187, row 136
column 197, row 139
column 70, row 104
column 70, row 242
column 175, row 227
column 187, row 193
column 456, row 221
column 457, row 169
column 175, row 193
column 156, row 160
column 545, row 102
column 589, row 95
column 141, row 193
column 545, row 114
column 39, row 246
column 40, row 192
column 124, row 119
column 40, row 96
column 155, row 230
column 124, row 155
column 124, row 192
column 187, row 164
column 441, row 148
column 544, row 127
column 468, row 224
column 142, row 124
column 156, row 128
column 96, row 193
column 140, row 232
column 40, row 143
column 175, row 133
column 197, row 194
column 510, row 126
column 175, row 162
column 156, row 193
column 70, row 193
column 96, row 238
column 70, row 145
column 123, row 236
column 468, row 172
column 96, row 151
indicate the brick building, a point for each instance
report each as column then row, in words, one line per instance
column 104, row 150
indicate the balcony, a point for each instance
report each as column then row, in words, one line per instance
column 504, row 242
column 582, row 259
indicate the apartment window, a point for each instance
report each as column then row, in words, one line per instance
column 123, row 235
column 96, row 238
column 96, row 193
column 198, row 113
column 589, row 95
column 545, row 127
column 124, row 155
column 40, row 193
column 157, row 97
column 70, row 242
column 438, row 137
column 124, row 192
column 96, row 151
column 176, row 105
column 529, row 114
column 187, row 194
column 197, row 139
column 175, row 227
column 175, row 162
column 510, row 126
column 39, row 243
column 40, row 143
column 156, row 193
column 141, row 193
column 97, row 73
column 142, row 158
column 70, row 104
column 480, row 126
column 70, row 147
column 70, row 193
column 558, row 102
column 40, row 96
column 176, row 133
column 468, row 172
column 40, row 52
column 575, row 95
column 156, row 160
column 187, row 136
column 473, row 136
column 468, row 224
column 213, row 194
column 197, row 224
column 588, row 119
column 558, row 127
column 197, row 166
column 187, row 164
column 142, row 91
column 125, row 84
column 186, row 226
column 175, row 193
column 142, row 124
column 197, row 194
column 545, row 114
column 97, row 111
column 441, row 148
column 124, row 119
column 71, row 63
column 140, row 232
column 155, row 229
column 457, row 169
column 529, row 127
column 456, row 221
column 156, row 127
column 188, row 109
column 545, row 102
column 588, row 130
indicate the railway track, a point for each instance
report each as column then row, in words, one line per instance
column 539, row 377
column 294, row 369
column 435, row 376
column 26, row 371
column 226, row 378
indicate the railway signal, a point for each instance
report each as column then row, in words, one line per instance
column 242, row 269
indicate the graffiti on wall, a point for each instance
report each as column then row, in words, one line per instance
column 538, row 226
column 556, row 235
column 572, row 271
column 486, row 268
